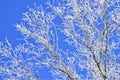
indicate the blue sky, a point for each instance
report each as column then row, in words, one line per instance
column 10, row 14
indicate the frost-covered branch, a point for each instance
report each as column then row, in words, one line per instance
column 88, row 31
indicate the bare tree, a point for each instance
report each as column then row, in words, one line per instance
column 90, row 31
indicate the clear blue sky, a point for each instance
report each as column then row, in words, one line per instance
column 10, row 14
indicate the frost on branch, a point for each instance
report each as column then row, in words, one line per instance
column 12, row 64
column 90, row 30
